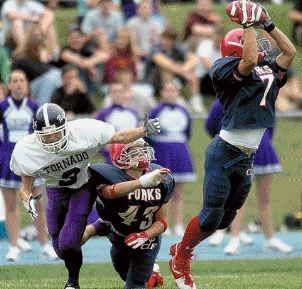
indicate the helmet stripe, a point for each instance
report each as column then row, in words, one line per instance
column 45, row 114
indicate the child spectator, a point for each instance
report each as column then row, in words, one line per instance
column 16, row 114
column 172, row 150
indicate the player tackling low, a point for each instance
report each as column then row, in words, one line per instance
column 60, row 152
column 247, row 86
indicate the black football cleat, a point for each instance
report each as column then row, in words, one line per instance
column 72, row 286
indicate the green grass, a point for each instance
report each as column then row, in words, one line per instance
column 247, row 274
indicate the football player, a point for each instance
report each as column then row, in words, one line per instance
column 247, row 86
column 132, row 196
column 60, row 152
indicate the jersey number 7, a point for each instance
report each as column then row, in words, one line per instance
column 270, row 80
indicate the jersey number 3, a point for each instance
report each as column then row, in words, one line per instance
column 129, row 216
column 270, row 80
column 69, row 177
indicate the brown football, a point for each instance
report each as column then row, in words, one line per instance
column 232, row 11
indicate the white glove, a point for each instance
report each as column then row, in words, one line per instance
column 30, row 205
column 151, row 179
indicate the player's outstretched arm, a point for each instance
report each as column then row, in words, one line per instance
column 148, row 180
column 288, row 50
column 249, row 52
column 151, row 127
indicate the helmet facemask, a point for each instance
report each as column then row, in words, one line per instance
column 137, row 154
column 55, row 146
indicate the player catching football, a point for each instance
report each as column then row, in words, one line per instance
column 247, row 86
column 135, row 205
column 60, row 153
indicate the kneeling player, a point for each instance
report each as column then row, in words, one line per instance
column 132, row 196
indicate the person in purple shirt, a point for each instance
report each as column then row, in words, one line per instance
column 266, row 163
column 119, row 113
column 16, row 112
column 172, row 150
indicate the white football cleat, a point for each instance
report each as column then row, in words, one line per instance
column 245, row 239
column 13, row 254
column 217, row 238
column 275, row 244
column 233, row 246
column 23, row 245
column 47, row 251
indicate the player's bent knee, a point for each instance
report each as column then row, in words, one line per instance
column 227, row 219
column 209, row 219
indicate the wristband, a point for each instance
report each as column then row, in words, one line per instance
column 112, row 191
column 270, row 28
column 280, row 68
column 164, row 223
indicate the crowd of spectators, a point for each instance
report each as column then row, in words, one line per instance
column 124, row 59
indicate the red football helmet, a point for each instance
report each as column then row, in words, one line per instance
column 137, row 154
column 232, row 43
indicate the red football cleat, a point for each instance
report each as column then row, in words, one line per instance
column 181, row 269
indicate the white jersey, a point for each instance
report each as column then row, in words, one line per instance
column 69, row 167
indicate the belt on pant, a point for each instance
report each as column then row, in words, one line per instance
column 237, row 160
column 246, row 150
column 117, row 232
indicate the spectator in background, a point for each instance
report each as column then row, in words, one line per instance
column 18, row 15
column 170, row 62
column 34, row 59
column 147, row 30
column 142, row 93
column 16, row 113
column 207, row 51
column 84, row 6
column 118, row 113
column 105, row 18
column 72, row 96
column 202, row 20
column 123, row 55
column 290, row 95
column 295, row 15
column 266, row 163
column 172, row 150
column 85, row 57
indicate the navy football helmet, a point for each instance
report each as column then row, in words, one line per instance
column 49, row 126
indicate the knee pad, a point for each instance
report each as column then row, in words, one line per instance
column 210, row 218
column 227, row 219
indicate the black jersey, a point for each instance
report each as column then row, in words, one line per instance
column 136, row 211
column 248, row 102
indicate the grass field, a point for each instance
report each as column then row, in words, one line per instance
column 246, row 274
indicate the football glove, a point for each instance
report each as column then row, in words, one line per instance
column 268, row 24
column 151, row 126
column 135, row 240
column 30, row 205
column 151, row 179
column 246, row 15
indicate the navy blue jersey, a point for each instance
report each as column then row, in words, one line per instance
column 248, row 102
column 136, row 211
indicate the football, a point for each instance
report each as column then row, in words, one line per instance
column 232, row 11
